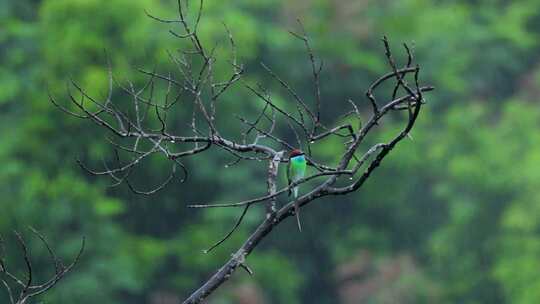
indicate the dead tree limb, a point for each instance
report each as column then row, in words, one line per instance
column 21, row 289
column 195, row 84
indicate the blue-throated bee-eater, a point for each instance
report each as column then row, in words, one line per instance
column 295, row 171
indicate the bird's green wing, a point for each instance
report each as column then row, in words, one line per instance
column 289, row 173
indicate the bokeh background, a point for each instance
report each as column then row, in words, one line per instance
column 452, row 216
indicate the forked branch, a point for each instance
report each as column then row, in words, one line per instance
column 22, row 288
column 195, row 86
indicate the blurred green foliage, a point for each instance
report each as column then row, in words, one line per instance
column 460, row 224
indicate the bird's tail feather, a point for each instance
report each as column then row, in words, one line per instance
column 297, row 209
column 297, row 213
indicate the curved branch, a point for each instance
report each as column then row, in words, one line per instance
column 199, row 88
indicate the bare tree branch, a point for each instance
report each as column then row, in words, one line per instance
column 196, row 88
column 26, row 287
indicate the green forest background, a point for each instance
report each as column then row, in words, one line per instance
column 452, row 216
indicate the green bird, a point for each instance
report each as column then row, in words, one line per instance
column 295, row 172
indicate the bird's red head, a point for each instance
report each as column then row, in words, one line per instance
column 296, row 152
